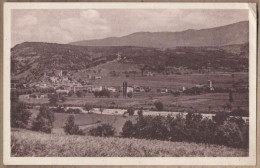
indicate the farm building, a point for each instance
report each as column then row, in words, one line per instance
column 96, row 88
column 164, row 90
column 111, row 89
column 26, row 96
column 62, row 91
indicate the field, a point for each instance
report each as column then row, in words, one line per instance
column 219, row 79
column 27, row 144
column 180, row 103
column 87, row 121
column 171, row 103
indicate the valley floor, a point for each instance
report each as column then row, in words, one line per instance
column 26, row 143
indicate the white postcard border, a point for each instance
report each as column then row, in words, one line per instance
column 251, row 160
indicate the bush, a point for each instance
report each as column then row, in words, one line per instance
column 239, row 112
column 128, row 129
column 130, row 94
column 19, row 115
column 88, row 107
column 80, row 93
column 71, row 127
column 59, row 109
column 220, row 117
column 229, row 134
column 73, row 111
column 71, row 93
column 105, row 130
column 131, row 111
column 63, row 99
column 159, row 105
column 192, row 128
column 102, row 93
column 44, row 120
column 140, row 113
column 53, row 100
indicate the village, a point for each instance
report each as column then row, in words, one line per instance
column 62, row 84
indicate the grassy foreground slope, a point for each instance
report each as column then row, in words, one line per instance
column 27, row 143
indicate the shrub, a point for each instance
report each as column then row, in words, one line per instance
column 19, row 115
column 104, row 130
column 140, row 113
column 63, row 99
column 59, row 109
column 220, row 117
column 128, row 129
column 80, row 93
column 71, row 127
column 239, row 112
column 229, row 134
column 44, row 120
column 71, row 93
column 88, row 107
column 102, row 93
column 193, row 128
column 159, row 105
column 131, row 111
column 130, row 94
column 73, row 111
column 176, row 127
column 53, row 100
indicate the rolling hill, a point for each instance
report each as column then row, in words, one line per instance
column 237, row 33
column 31, row 60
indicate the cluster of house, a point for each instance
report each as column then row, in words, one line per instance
column 33, row 95
column 113, row 89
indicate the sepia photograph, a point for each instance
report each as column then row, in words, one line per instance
column 123, row 83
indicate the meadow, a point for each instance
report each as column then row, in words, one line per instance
column 26, row 143
column 87, row 121
column 210, row 102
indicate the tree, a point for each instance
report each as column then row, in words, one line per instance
column 140, row 112
column 101, row 110
column 159, row 105
column 71, row 127
column 63, row 99
column 88, row 107
column 104, row 130
column 229, row 134
column 130, row 94
column 53, row 99
column 227, row 106
column 128, row 129
column 44, row 120
column 19, row 115
column 80, row 93
column 131, row 111
column 71, row 93
column 220, row 117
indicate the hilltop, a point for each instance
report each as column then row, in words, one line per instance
column 237, row 33
column 31, row 60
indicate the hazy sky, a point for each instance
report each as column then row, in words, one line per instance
column 64, row 26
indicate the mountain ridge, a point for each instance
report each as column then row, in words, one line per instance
column 235, row 33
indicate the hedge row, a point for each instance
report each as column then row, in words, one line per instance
column 222, row 130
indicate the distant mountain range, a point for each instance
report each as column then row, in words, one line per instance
column 237, row 33
column 225, row 47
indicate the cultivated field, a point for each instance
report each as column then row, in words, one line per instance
column 26, row 143
column 87, row 121
column 181, row 103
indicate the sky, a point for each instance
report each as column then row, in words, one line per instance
column 69, row 25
